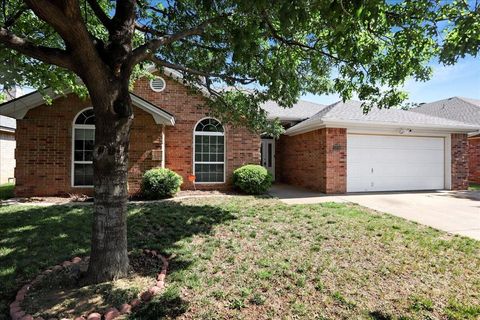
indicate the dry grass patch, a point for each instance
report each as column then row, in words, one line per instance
column 61, row 294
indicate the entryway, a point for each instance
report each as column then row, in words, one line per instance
column 267, row 151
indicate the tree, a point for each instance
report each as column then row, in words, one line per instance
column 278, row 49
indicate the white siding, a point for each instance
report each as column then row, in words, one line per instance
column 7, row 157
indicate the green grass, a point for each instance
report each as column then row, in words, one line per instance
column 6, row 191
column 474, row 186
column 250, row 258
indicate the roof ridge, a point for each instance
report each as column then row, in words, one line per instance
column 468, row 100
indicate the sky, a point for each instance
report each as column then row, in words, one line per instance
column 461, row 79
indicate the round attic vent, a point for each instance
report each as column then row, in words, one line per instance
column 157, row 84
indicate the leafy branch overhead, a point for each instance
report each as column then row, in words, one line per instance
column 260, row 50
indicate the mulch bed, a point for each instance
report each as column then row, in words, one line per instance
column 57, row 293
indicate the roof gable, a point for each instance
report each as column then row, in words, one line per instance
column 18, row 108
column 456, row 108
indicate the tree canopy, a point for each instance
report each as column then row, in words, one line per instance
column 241, row 52
column 277, row 50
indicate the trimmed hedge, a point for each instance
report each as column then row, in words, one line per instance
column 252, row 179
column 159, row 183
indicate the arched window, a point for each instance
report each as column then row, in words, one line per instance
column 209, row 149
column 83, row 142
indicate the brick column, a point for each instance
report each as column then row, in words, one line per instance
column 336, row 160
column 474, row 159
column 459, row 161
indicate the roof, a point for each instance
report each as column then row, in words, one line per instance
column 350, row 113
column 300, row 111
column 456, row 108
column 7, row 124
column 18, row 108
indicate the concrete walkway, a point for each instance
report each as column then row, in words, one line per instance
column 456, row 212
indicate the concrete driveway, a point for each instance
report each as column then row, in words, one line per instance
column 456, row 212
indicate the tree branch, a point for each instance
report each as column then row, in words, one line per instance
column 12, row 19
column 143, row 52
column 101, row 15
column 146, row 29
column 48, row 55
column 292, row 42
column 54, row 15
column 124, row 14
column 178, row 67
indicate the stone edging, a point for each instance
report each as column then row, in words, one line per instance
column 17, row 313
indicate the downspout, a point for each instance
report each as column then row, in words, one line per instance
column 163, row 146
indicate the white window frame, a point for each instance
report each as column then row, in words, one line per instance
column 73, row 162
column 206, row 133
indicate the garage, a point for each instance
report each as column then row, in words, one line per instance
column 394, row 163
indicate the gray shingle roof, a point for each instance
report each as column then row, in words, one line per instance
column 300, row 111
column 352, row 112
column 457, row 108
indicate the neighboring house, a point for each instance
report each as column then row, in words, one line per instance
column 465, row 110
column 7, row 149
column 333, row 149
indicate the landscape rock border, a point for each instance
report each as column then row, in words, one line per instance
column 16, row 312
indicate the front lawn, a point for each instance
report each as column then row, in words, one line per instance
column 252, row 258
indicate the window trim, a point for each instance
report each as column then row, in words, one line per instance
column 72, row 146
column 208, row 133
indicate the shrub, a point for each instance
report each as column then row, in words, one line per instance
column 160, row 183
column 252, row 179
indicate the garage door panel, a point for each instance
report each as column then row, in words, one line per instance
column 405, row 183
column 395, row 142
column 389, row 163
column 409, row 170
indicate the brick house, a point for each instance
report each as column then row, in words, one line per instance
column 332, row 149
column 462, row 109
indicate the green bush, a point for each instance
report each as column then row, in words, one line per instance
column 160, row 183
column 252, row 179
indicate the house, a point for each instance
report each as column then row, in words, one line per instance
column 332, row 149
column 7, row 149
column 462, row 109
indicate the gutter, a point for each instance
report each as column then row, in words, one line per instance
column 318, row 124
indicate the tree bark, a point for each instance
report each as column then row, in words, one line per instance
column 113, row 119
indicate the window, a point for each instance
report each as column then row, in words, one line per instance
column 83, row 143
column 157, row 84
column 209, row 164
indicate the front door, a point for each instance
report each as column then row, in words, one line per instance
column 268, row 155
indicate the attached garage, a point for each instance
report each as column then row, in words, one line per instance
column 341, row 149
column 395, row 163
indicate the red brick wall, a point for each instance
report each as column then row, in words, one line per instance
column 242, row 146
column 44, row 139
column 315, row 160
column 474, row 159
column 459, row 161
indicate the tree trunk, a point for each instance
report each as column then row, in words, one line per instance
column 113, row 119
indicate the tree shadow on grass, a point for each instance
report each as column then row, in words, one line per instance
column 34, row 238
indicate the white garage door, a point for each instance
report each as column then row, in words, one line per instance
column 390, row 163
